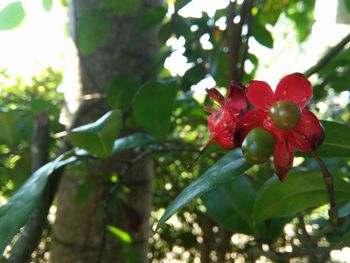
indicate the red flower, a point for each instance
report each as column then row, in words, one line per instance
column 282, row 113
column 222, row 122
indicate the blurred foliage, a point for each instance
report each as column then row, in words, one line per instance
column 254, row 208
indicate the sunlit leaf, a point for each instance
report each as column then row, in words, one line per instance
column 47, row 4
column 98, row 137
column 11, row 16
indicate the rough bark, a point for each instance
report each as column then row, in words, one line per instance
column 77, row 231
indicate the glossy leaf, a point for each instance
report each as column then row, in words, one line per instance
column 231, row 204
column 11, row 16
column 153, row 105
column 92, row 31
column 121, row 92
column 47, row 4
column 337, row 140
column 298, row 192
column 231, row 165
column 98, row 137
column 14, row 214
column 132, row 141
column 121, row 7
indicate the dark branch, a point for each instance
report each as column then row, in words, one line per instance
column 328, row 179
column 31, row 234
column 328, row 56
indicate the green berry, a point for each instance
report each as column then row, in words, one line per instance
column 258, row 145
column 285, row 114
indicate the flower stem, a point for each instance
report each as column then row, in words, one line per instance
column 328, row 179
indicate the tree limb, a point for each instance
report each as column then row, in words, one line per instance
column 328, row 56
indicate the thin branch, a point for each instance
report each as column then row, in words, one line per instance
column 230, row 40
column 31, row 234
column 328, row 179
column 328, row 56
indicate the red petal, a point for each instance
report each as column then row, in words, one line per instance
column 222, row 124
column 296, row 88
column 260, row 95
column 215, row 95
column 283, row 157
column 308, row 135
column 253, row 118
column 236, row 100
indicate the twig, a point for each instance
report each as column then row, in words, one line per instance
column 328, row 179
column 230, row 40
column 329, row 55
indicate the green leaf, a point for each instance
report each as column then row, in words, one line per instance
column 263, row 36
column 121, row 91
column 152, row 18
column 98, row 137
column 231, row 204
column 14, row 214
column 153, row 105
column 123, row 236
column 84, row 190
column 11, row 16
column 231, row 165
column 298, row 192
column 337, row 140
column 121, row 7
column 92, row 31
column 347, row 5
column 47, row 4
column 132, row 141
column 8, row 131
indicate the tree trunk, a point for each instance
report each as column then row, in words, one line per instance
column 77, row 231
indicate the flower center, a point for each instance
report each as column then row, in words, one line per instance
column 285, row 114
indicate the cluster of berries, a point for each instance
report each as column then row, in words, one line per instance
column 278, row 124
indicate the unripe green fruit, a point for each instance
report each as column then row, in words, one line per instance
column 258, row 145
column 285, row 114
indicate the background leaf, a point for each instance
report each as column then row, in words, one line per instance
column 121, row 7
column 121, row 91
column 98, row 137
column 231, row 165
column 47, row 4
column 152, row 17
column 262, row 35
column 92, row 31
column 11, row 16
column 153, row 105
